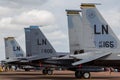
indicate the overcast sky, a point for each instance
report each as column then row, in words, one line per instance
column 15, row 15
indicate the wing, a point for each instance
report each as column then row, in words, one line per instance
column 89, row 56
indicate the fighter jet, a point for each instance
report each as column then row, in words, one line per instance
column 14, row 54
column 92, row 40
column 39, row 49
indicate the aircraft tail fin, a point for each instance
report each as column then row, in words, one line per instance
column 97, row 32
column 75, row 31
column 12, row 48
column 37, row 43
column 88, row 31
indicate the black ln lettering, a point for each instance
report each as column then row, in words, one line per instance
column 38, row 42
column 104, row 29
column 43, row 42
column 95, row 30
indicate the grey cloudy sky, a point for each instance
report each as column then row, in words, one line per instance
column 15, row 15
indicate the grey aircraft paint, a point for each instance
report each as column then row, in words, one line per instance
column 37, row 44
column 13, row 51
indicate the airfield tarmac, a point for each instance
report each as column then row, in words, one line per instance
column 58, row 75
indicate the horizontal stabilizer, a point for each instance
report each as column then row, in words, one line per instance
column 10, row 60
column 89, row 56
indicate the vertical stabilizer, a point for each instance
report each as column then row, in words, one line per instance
column 37, row 44
column 12, row 48
column 28, row 42
column 75, row 28
column 97, row 32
